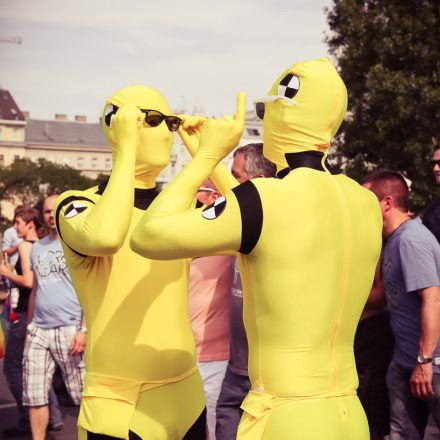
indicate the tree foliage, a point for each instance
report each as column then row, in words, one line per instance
column 388, row 53
column 27, row 183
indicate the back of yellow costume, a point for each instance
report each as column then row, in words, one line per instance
column 140, row 358
column 309, row 242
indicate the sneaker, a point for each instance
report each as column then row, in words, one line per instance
column 15, row 432
column 55, row 426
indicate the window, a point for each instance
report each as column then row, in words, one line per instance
column 80, row 162
column 108, row 163
column 2, row 160
column 66, row 160
column 253, row 131
column 1, row 129
column 94, row 162
column 16, row 133
column 16, row 157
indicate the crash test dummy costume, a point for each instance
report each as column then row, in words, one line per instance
column 141, row 373
column 308, row 244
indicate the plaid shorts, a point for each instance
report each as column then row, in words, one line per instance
column 44, row 349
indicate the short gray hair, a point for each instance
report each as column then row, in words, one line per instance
column 255, row 164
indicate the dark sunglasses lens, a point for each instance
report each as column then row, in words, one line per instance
column 259, row 109
column 435, row 162
column 173, row 122
column 153, row 118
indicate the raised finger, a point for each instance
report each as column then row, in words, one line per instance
column 240, row 115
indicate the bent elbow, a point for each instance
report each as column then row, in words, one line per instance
column 101, row 246
column 144, row 241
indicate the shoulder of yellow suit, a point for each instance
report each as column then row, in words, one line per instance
column 90, row 193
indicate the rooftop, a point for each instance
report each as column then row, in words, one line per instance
column 65, row 133
column 9, row 110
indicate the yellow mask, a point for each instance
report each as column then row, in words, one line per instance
column 154, row 142
column 311, row 106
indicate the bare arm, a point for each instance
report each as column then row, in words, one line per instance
column 376, row 301
column 11, row 251
column 26, row 279
column 31, row 304
column 421, row 378
column 78, row 344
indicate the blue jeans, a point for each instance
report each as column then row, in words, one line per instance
column 13, row 371
column 234, row 389
column 409, row 415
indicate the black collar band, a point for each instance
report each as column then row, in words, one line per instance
column 307, row 159
column 142, row 196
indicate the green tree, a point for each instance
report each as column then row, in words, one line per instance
column 388, row 53
column 27, row 183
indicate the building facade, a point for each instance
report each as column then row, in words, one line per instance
column 80, row 144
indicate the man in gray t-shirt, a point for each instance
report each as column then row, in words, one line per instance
column 411, row 276
column 56, row 333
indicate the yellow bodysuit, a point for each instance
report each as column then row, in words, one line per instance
column 141, row 373
column 308, row 241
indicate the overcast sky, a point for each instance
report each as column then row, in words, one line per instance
column 197, row 53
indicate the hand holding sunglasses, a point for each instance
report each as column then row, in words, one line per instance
column 152, row 117
column 190, row 130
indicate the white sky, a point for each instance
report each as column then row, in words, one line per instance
column 76, row 53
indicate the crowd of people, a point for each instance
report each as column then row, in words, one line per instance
column 48, row 313
column 155, row 307
column 46, row 326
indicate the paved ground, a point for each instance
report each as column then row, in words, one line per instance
column 8, row 417
column 8, row 414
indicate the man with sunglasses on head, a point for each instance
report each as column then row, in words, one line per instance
column 141, row 375
column 308, row 243
column 431, row 216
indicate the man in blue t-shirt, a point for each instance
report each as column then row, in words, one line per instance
column 411, row 275
column 56, row 332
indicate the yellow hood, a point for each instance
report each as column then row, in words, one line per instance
column 311, row 123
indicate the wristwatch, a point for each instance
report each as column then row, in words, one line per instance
column 421, row 359
column 83, row 329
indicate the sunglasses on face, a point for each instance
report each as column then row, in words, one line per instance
column 152, row 117
column 260, row 104
column 435, row 162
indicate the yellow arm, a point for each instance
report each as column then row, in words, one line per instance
column 190, row 132
column 168, row 229
column 97, row 225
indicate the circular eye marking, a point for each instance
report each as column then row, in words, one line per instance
column 289, row 86
column 74, row 209
column 212, row 211
column 110, row 111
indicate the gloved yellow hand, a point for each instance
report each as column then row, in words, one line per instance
column 190, row 132
column 219, row 137
column 127, row 123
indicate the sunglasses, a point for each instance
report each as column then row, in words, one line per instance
column 204, row 188
column 260, row 103
column 152, row 117
column 435, row 162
